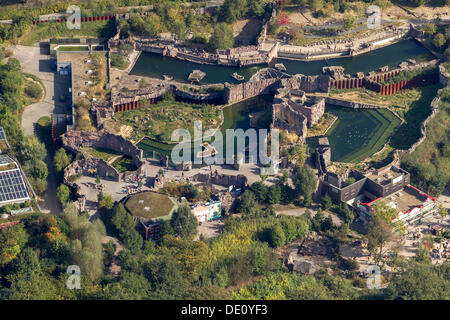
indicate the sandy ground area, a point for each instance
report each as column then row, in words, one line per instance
column 210, row 229
column 444, row 198
column 426, row 12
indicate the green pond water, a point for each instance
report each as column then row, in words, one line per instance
column 155, row 65
column 235, row 116
column 358, row 134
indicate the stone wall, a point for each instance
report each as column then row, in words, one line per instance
column 87, row 166
column 76, row 140
column 320, row 83
column 221, row 179
column 423, row 127
column 286, row 118
column 444, row 76
column 183, row 94
column 236, row 93
column 351, row 104
column 314, row 111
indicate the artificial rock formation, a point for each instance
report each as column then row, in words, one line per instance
column 293, row 111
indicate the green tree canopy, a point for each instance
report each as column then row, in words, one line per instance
column 183, row 222
column 222, row 37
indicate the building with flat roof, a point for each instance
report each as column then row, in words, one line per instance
column 207, row 211
column 389, row 184
column 410, row 202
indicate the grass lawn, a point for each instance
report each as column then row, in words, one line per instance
column 319, row 128
column 151, row 205
column 73, row 48
column 160, row 120
column 409, row 132
column 103, row 153
column 42, row 31
column 124, row 164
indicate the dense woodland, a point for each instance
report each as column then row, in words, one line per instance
column 242, row 263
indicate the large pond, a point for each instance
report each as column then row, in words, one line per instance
column 236, row 116
column 358, row 134
column 155, row 65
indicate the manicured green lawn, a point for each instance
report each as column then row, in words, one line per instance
column 158, row 205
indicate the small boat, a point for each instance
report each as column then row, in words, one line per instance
column 280, row 67
column 196, row 75
column 237, row 76
column 166, row 77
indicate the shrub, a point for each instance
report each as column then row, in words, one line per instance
column 33, row 90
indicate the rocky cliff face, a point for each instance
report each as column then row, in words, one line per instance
column 76, row 140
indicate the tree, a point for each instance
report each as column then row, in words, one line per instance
column 443, row 211
column 63, row 193
column 383, row 211
column 327, row 202
column 31, row 149
column 429, row 28
column 61, row 159
column 260, row 191
column 274, row 194
column 422, row 255
column 183, row 222
column 420, row 281
column 277, row 238
column 165, row 277
column 380, row 233
column 105, row 201
column 284, row 178
column 247, row 203
column 124, row 226
column 348, row 22
column 33, row 90
column 305, row 181
column 439, row 40
column 132, row 286
column 316, row 4
column 298, row 154
column 222, row 37
column 12, row 240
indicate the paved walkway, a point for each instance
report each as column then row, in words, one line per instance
column 35, row 60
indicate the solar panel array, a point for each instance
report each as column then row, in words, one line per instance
column 12, row 186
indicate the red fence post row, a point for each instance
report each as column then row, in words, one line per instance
column 84, row 19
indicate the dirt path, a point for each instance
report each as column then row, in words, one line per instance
column 114, row 269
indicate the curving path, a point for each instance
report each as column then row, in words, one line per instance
column 36, row 61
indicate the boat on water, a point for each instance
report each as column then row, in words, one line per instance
column 280, row 67
column 166, row 77
column 237, row 76
column 196, row 75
